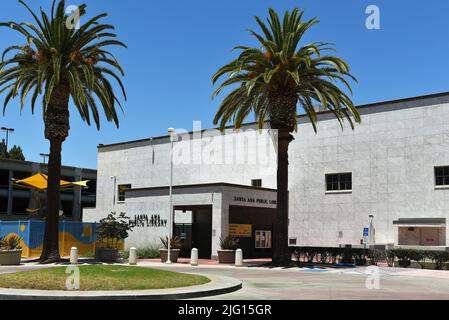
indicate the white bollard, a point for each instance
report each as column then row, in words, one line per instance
column 238, row 258
column 74, row 255
column 194, row 257
column 132, row 256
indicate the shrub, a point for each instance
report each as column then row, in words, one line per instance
column 359, row 255
column 389, row 257
column 148, row 253
column 296, row 252
column 322, row 254
column 310, row 253
column 419, row 256
column 404, row 256
column 175, row 243
column 334, row 254
column 113, row 228
column 124, row 254
column 229, row 243
column 439, row 257
column 377, row 255
column 11, row 242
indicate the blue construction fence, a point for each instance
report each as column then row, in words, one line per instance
column 71, row 234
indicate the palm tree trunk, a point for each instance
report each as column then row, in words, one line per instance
column 281, row 252
column 50, row 252
column 283, row 118
column 56, row 131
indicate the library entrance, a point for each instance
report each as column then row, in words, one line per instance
column 193, row 225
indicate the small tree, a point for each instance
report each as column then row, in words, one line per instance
column 16, row 153
column 114, row 228
column 3, row 150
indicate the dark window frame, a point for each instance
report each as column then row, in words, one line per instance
column 441, row 176
column 340, row 181
column 256, row 183
column 121, row 188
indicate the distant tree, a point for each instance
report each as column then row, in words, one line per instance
column 15, row 153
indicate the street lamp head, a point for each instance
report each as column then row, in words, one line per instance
column 371, row 216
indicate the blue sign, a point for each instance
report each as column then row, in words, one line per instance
column 365, row 232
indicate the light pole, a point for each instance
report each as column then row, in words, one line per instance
column 44, row 156
column 172, row 134
column 371, row 235
column 113, row 191
column 7, row 130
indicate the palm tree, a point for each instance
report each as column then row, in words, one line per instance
column 60, row 62
column 272, row 81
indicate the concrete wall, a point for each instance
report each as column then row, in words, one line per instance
column 391, row 155
column 146, row 164
column 156, row 202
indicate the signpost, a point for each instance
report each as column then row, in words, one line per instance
column 365, row 232
column 365, row 236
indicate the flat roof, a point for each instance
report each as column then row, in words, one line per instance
column 202, row 185
column 29, row 163
column 362, row 106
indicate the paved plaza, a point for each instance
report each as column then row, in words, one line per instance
column 261, row 283
column 326, row 283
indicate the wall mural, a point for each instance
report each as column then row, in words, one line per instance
column 144, row 220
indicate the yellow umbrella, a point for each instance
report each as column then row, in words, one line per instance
column 39, row 181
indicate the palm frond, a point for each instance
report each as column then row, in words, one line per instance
column 282, row 74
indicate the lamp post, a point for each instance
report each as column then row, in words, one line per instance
column 44, row 156
column 7, row 130
column 371, row 236
column 171, row 132
column 114, row 178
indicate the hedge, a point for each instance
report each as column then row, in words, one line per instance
column 360, row 255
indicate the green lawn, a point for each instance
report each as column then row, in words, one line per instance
column 101, row 277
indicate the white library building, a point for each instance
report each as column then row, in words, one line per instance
column 388, row 176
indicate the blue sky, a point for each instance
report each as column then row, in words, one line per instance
column 175, row 47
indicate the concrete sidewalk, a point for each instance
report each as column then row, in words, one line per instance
column 261, row 282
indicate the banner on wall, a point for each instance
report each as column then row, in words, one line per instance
column 240, row 230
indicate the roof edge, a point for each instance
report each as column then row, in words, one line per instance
column 362, row 106
column 212, row 184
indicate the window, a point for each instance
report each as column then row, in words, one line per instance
column 339, row 181
column 263, row 239
column 256, row 182
column 121, row 191
column 442, row 176
column 292, row 241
